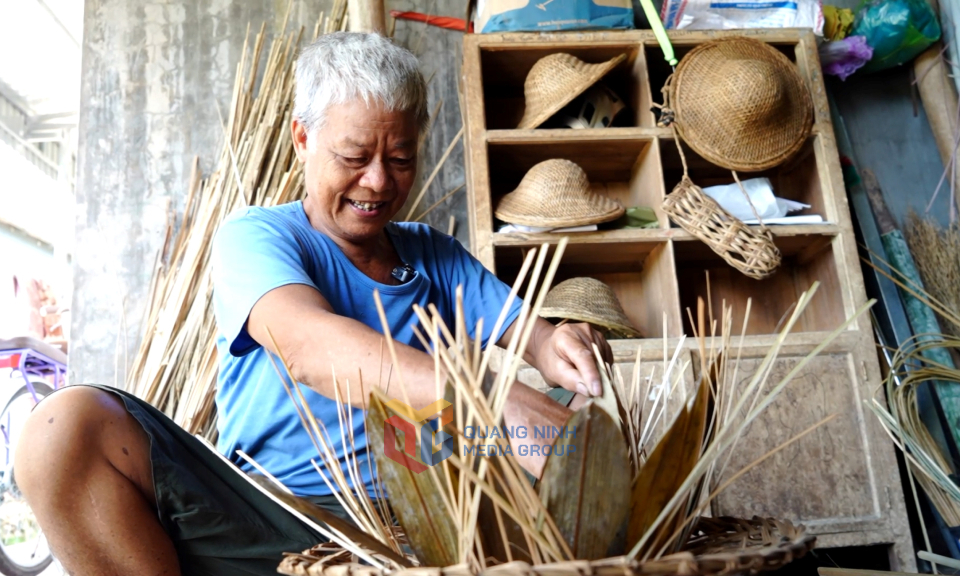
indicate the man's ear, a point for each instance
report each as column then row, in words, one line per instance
column 299, row 133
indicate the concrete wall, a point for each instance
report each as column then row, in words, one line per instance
column 154, row 73
column 153, row 76
column 440, row 52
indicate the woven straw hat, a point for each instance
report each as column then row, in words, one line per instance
column 741, row 104
column 555, row 194
column 554, row 81
column 588, row 300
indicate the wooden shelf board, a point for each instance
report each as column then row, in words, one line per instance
column 587, row 135
column 522, row 40
column 595, row 252
column 598, row 238
column 802, row 241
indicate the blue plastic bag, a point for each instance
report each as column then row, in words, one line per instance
column 897, row 30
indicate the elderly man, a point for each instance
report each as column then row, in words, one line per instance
column 119, row 489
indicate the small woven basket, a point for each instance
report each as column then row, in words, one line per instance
column 749, row 251
column 717, row 547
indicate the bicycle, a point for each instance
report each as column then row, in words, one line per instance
column 31, row 365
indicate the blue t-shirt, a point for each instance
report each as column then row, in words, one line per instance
column 259, row 249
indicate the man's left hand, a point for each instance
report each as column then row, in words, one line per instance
column 564, row 356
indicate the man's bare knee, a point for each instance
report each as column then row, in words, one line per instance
column 72, row 432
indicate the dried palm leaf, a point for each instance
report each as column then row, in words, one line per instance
column 586, row 482
column 668, row 466
column 414, row 497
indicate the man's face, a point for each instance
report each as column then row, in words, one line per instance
column 358, row 168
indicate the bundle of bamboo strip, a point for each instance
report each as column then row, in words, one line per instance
column 937, row 253
column 623, row 499
column 911, row 366
column 176, row 366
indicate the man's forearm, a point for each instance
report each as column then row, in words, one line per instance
column 529, row 409
column 356, row 351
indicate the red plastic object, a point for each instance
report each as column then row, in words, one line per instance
column 11, row 361
column 438, row 21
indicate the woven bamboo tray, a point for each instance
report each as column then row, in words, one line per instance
column 717, row 547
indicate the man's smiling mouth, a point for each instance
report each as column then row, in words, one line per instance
column 366, row 206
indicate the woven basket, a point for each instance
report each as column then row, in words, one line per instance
column 749, row 251
column 717, row 547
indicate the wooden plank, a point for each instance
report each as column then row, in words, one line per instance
column 477, row 177
column 646, row 183
column 596, row 239
column 640, row 98
column 594, row 135
column 510, row 40
column 836, row 480
column 829, row 571
column 791, row 240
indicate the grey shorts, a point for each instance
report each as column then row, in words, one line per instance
column 219, row 523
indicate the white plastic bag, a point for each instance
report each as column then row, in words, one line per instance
column 731, row 198
column 708, row 15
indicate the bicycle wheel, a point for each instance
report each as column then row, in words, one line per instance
column 23, row 548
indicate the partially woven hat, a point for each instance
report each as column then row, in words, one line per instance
column 741, row 104
column 588, row 300
column 554, row 81
column 556, row 194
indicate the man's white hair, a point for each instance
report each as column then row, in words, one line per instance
column 346, row 66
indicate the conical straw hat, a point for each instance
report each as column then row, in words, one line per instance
column 554, row 81
column 741, row 104
column 588, row 300
column 556, row 194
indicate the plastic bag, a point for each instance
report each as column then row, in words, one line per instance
column 713, row 15
column 760, row 191
column 546, row 15
column 844, row 57
column 897, row 30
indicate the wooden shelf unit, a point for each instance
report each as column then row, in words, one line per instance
column 659, row 273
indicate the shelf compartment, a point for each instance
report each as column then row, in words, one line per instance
column 624, row 169
column 640, row 273
column 806, row 258
column 504, row 69
column 797, row 179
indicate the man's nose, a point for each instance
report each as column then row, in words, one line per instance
column 375, row 177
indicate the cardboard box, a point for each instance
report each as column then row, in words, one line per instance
column 548, row 15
